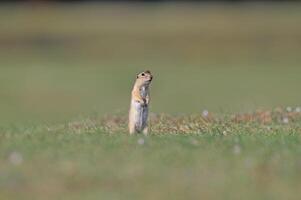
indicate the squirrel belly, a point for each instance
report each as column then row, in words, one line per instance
column 138, row 115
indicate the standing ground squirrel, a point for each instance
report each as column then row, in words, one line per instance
column 139, row 103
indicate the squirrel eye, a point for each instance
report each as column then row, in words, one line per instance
column 142, row 74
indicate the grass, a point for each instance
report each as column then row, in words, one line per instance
column 250, row 156
column 65, row 81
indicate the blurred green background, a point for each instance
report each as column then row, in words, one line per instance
column 59, row 61
column 63, row 64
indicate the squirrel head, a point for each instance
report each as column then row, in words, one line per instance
column 144, row 78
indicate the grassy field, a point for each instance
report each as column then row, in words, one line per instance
column 65, row 81
column 195, row 157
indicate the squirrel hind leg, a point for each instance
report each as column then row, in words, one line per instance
column 132, row 129
column 145, row 131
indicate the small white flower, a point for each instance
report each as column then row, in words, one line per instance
column 289, row 109
column 236, row 149
column 194, row 142
column 225, row 133
column 205, row 113
column 15, row 158
column 140, row 141
column 285, row 120
column 249, row 163
column 298, row 109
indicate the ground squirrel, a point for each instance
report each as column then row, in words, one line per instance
column 138, row 113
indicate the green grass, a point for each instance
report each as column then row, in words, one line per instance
column 65, row 81
column 229, row 157
column 65, row 163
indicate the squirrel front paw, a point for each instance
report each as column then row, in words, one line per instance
column 142, row 102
